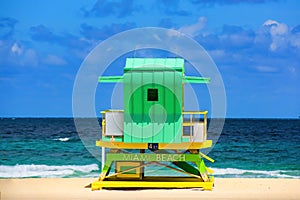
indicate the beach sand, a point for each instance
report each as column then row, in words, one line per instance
column 74, row 188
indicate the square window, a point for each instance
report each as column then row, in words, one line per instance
column 152, row 95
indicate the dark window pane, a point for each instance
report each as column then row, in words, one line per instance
column 152, row 95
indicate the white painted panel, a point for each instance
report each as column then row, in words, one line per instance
column 199, row 132
column 114, row 123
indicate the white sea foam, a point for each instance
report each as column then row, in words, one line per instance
column 92, row 170
column 233, row 172
column 65, row 139
column 23, row 171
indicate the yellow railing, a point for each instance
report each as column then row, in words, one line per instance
column 196, row 118
column 103, row 113
column 192, row 121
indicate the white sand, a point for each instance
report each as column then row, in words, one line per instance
column 74, row 188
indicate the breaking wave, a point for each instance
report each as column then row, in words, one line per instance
column 47, row 171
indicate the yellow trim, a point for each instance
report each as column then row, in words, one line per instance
column 106, row 111
column 204, row 112
column 183, row 145
column 190, row 124
column 134, row 166
column 157, row 182
column 206, row 157
column 195, row 112
column 209, row 170
column 104, row 126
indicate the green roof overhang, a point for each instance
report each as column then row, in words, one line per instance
column 186, row 79
column 110, row 79
column 194, row 79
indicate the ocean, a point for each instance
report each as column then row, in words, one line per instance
column 51, row 147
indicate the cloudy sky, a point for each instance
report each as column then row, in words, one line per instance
column 254, row 43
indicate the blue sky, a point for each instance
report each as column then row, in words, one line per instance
column 254, row 43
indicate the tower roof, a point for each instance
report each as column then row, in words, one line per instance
column 154, row 64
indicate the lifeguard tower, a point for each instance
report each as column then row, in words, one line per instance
column 154, row 129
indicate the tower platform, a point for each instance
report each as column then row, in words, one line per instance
column 153, row 182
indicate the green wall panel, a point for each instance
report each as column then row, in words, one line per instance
column 147, row 120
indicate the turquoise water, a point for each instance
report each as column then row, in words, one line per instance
column 51, row 147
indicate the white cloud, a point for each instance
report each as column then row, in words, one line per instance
column 279, row 29
column 276, row 27
column 266, row 69
column 193, row 29
column 174, row 33
column 16, row 49
column 270, row 22
column 54, row 60
column 295, row 40
column 279, row 33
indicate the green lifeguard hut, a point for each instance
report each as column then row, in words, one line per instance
column 154, row 122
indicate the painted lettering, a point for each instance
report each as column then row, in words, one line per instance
column 154, row 157
column 144, row 157
column 136, row 157
column 158, row 157
column 181, row 157
column 127, row 156
column 170, row 157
